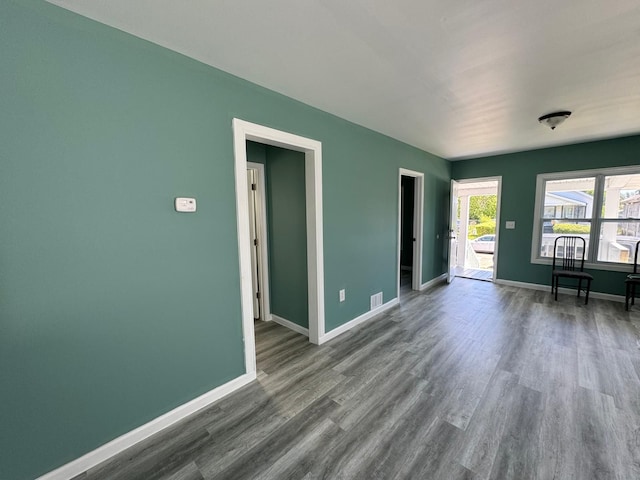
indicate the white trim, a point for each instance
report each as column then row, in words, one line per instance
column 315, row 240
column 536, row 237
column 243, row 131
column 433, row 282
column 568, row 174
column 452, row 241
column 357, row 321
column 244, row 249
column 290, row 325
column 569, row 291
column 108, row 450
column 418, row 216
column 418, row 208
column 610, row 267
column 496, row 248
column 263, row 261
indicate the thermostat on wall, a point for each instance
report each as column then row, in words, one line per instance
column 185, row 204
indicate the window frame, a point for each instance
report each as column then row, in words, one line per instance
column 596, row 220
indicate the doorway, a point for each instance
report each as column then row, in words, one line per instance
column 410, row 235
column 276, row 180
column 312, row 149
column 475, row 217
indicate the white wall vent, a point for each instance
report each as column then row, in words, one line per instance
column 376, row 300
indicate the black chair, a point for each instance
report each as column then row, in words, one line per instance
column 568, row 262
column 631, row 281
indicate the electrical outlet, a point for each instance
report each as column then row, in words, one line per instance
column 343, row 295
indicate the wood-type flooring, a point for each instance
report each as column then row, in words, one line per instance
column 467, row 381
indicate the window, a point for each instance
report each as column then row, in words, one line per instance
column 601, row 206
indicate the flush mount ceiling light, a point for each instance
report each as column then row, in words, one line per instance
column 552, row 120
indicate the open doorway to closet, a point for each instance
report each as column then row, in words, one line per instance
column 278, row 235
column 410, row 208
column 475, row 218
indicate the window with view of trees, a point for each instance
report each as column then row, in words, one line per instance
column 602, row 206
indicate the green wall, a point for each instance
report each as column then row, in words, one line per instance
column 287, row 231
column 256, row 152
column 114, row 308
column 518, row 171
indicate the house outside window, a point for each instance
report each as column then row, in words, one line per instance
column 601, row 206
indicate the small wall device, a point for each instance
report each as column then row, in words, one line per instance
column 184, row 204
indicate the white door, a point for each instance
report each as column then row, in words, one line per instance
column 253, row 232
column 453, row 232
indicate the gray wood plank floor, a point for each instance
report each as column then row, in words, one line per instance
column 467, row 381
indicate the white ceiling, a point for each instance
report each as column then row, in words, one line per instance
column 458, row 78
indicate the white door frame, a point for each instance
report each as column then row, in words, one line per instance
column 312, row 149
column 453, row 231
column 499, row 199
column 418, row 207
column 263, row 256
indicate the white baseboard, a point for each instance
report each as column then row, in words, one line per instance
column 434, row 281
column 290, row 325
column 569, row 291
column 129, row 439
column 357, row 321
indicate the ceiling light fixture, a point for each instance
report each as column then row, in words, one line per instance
column 552, row 120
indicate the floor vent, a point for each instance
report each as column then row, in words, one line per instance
column 376, row 300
